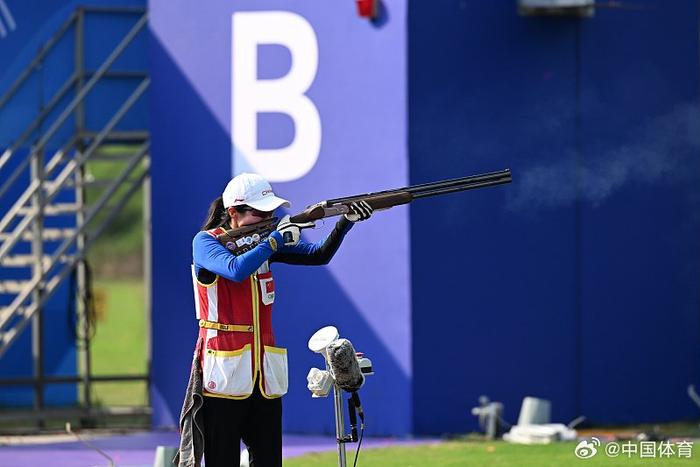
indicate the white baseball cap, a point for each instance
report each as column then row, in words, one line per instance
column 252, row 190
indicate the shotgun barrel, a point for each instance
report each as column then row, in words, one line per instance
column 389, row 198
column 438, row 188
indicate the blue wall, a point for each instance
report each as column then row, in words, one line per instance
column 639, row 247
column 365, row 290
column 578, row 283
column 36, row 22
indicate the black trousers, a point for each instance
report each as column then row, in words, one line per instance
column 256, row 420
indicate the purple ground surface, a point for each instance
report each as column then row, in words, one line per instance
column 138, row 449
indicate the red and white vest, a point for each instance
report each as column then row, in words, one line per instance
column 237, row 341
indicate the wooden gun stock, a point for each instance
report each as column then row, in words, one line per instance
column 377, row 202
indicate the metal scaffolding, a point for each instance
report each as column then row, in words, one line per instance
column 52, row 175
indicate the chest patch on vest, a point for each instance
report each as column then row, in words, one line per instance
column 267, row 291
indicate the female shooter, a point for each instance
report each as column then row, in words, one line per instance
column 244, row 373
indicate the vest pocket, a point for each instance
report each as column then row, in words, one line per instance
column 228, row 372
column 275, row 370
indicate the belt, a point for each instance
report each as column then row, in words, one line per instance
column 203, row 323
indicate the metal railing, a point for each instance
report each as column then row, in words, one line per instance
column 68, row 111
column 24, row 220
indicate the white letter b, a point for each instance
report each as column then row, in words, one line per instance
column 251, row 96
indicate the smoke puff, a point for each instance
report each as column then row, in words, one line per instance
column 665, row 149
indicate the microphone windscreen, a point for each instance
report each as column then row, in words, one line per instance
column 343, row 361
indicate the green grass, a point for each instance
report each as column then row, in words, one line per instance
column 118, row 251
column 493, row 454
column 119, row 344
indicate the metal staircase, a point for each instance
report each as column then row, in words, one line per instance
column 48, row 252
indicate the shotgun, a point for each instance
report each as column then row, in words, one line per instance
column 246, row 238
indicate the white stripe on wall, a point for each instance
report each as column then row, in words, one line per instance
column 8, row 16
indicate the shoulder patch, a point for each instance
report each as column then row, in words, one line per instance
column 215, row 232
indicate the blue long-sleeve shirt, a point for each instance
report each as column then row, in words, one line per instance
column 212, row 256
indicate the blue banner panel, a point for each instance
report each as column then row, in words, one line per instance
column 493, row 278
column 312, row 97
column 33, row 25
column 578, row 283
column 640, row 214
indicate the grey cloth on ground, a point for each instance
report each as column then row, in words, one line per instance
column 191, row 448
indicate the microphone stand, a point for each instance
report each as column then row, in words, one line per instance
column 339, row 424
column 319, row 343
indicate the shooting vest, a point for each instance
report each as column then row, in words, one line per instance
column 235, row 332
